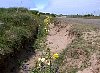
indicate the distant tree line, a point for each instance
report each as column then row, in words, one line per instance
column 41, row 13
column 79, row 16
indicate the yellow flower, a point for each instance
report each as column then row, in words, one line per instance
column 45, row 28
column 47, row 20
column 39, row 59
column 56, row 56
column 39, row 64
column 47, row 62
column 42, row 59
column 48, row 30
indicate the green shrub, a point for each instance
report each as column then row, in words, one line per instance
column 16, row 26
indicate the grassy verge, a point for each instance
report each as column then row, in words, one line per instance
column 42, row 33
column 41, row 46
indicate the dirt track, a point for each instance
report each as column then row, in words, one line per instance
column 58, row 37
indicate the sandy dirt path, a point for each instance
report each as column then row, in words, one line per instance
column 58, row 37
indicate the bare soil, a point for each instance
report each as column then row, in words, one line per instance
column 58, row 37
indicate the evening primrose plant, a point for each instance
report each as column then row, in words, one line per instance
column 45, row 64
column 42, row 33
column 47, row 20
column 55, row 56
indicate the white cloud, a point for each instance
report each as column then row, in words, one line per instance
column 38, row 7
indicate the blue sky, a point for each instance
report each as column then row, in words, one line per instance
column 56, row 6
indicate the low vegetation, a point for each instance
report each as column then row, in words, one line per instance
column 78, row 54
column 15, row 28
